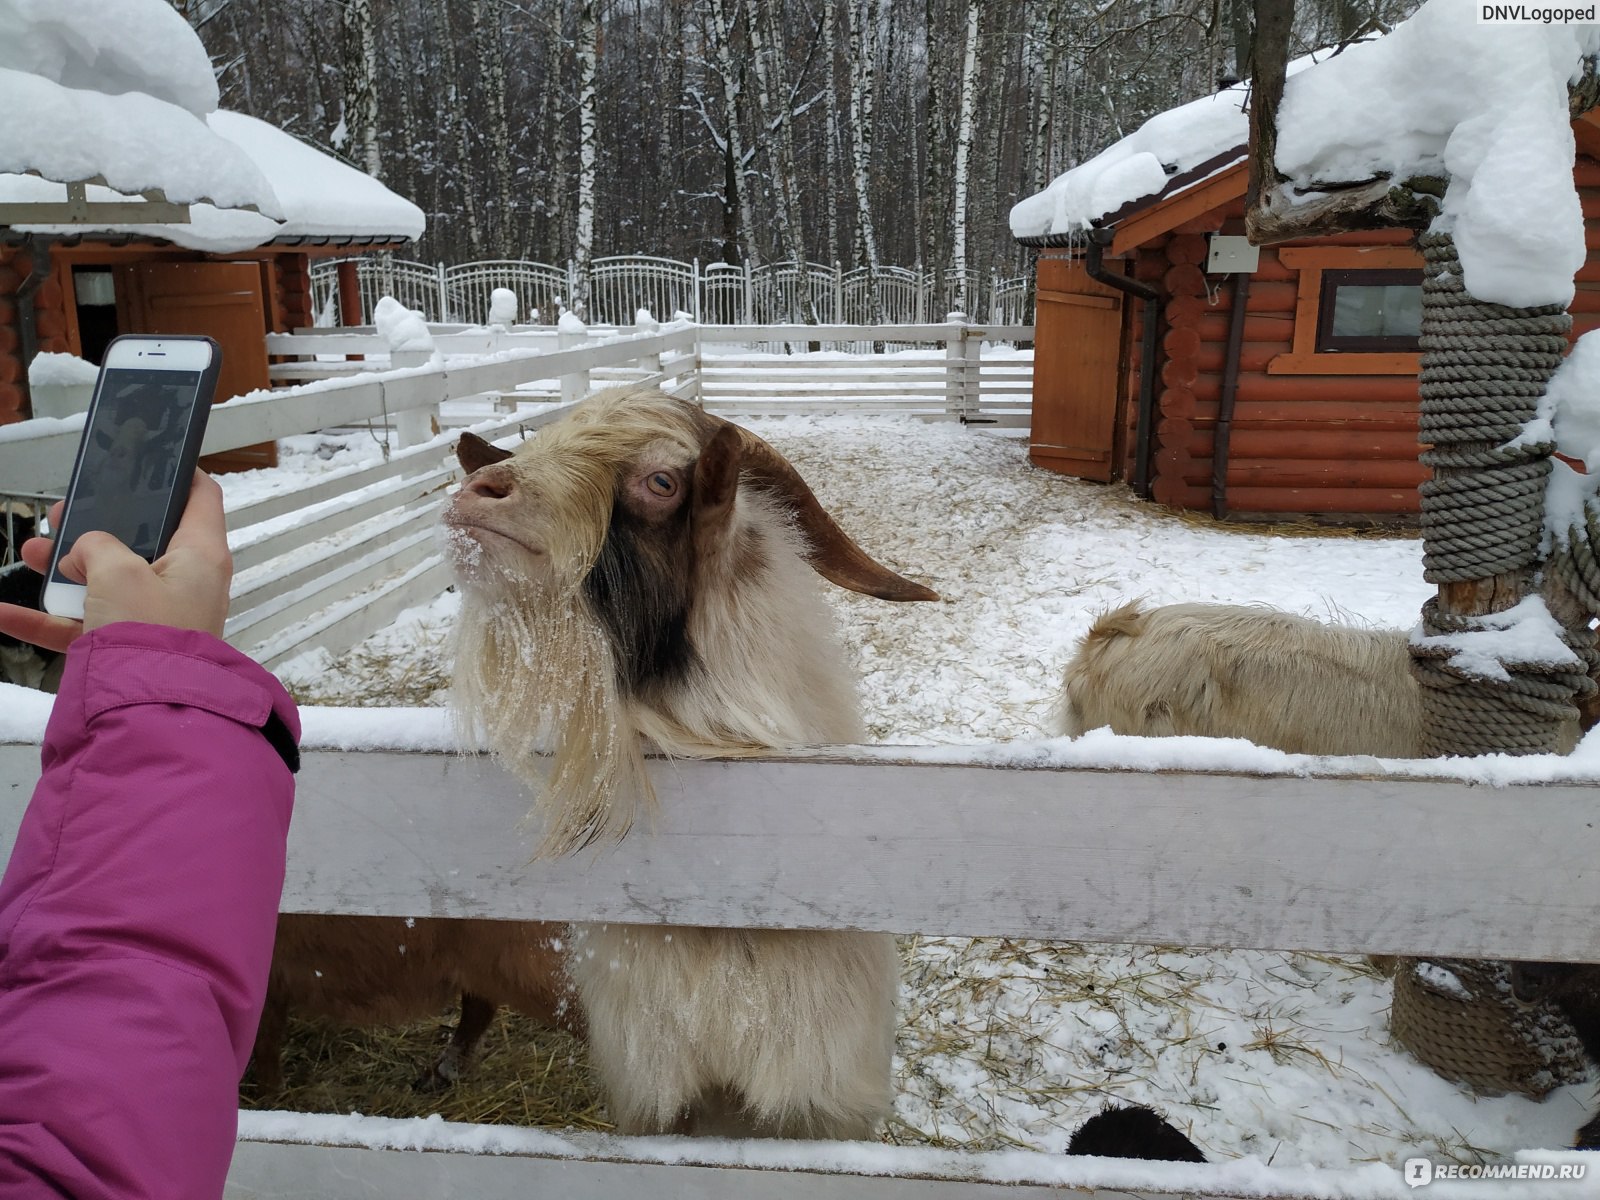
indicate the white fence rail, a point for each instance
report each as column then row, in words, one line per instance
column 618, row 286
column 914, row 842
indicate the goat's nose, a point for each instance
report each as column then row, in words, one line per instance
column 491, row 485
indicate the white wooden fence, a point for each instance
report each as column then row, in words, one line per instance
column 890, row 839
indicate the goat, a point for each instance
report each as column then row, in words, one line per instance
column 393, row 970
column 1133, row 1131
column 1219, row 671
column 643, row 570
column 1574, row 988
column 1270, row 677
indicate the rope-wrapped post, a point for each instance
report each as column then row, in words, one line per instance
column 1484, row 370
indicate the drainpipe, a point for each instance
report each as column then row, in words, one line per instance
column 1230, row 388
column 38, row 251
column 1095, row 267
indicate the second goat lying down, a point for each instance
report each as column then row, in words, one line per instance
column 642, row 569
column 1271, row 677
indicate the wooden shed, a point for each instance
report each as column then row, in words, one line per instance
column 235, row 276
column 1278, row 383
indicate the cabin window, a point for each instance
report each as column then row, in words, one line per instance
column 1369, row 312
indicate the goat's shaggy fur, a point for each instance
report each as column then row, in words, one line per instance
column 393, row 970
column 623, row 580
column 1272, row 677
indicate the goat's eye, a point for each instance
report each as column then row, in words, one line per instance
column 662, row 484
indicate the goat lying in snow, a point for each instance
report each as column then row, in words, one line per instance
column 1271, row 677
column 644, row 569
column 393, row 970
column 1574, row 988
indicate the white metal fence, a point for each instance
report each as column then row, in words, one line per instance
column 768, row 293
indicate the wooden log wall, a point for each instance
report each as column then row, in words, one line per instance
column 1321, row 444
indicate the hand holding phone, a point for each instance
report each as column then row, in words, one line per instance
column 186, row 588
column 141, row 440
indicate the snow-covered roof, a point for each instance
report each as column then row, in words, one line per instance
column 1169, row 144
column 1442, row 94
column 121, row 92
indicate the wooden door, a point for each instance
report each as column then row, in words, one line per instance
column 224, row 301
column 1076, row 352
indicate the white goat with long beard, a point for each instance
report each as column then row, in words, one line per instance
column 643, row 570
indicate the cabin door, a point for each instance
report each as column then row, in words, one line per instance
column 1076, row 351
column 224, row 301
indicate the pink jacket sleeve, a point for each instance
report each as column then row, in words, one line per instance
column 137, row 917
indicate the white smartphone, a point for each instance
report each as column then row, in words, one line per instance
column 140, row 443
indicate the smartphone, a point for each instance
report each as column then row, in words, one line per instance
column 136, row 461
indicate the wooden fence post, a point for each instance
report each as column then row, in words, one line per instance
column 414, row 426
column 571, row 332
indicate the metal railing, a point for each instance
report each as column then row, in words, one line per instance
column 714, row 293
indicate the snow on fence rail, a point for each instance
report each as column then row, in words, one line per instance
column 1027, row 841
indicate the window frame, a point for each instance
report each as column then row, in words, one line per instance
column 1328, row 342
column 1311, row 263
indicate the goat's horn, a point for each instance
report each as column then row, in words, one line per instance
column 833, row 554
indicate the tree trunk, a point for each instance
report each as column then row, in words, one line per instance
column 964, row 134
column 495, row 130
column 583, row 235
column 863, row 68
column 735, row 195
column 358, row 52
column 1268, row 69
column 772, row 107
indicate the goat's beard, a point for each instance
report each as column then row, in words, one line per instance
column 533, row 667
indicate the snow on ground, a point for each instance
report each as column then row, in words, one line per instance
column 1009, row 1044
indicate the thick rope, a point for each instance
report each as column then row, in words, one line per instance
column 1484, row 370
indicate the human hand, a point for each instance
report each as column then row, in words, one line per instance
column 186, row 588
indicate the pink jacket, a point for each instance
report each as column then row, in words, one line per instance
column 137, row 917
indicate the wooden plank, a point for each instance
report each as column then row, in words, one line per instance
column 399, row 496
column 1167, row 214
column 1296, row 363
column 1357, row 865
column 1364, row 258
column 304, row 566
column 577, row 1165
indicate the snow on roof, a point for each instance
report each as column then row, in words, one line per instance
column 116, row 90
column 1139, row 165
column 317, row 195
column 1484, row 104
column 122, row 92
column 109, row 46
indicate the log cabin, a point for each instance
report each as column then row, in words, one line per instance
column 1266, row 383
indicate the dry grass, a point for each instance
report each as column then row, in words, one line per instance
column 376, row 674
column 525, row 1074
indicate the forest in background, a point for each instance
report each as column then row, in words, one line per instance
column 863, row 132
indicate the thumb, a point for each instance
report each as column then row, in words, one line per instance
column 98, row 555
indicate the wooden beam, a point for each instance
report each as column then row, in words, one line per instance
column 1345, row 865
column 1167, row 215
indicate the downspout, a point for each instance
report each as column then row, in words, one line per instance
column 38, row 250
column 1230, row 388
column 1094, row 266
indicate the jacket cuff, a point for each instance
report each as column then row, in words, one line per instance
column 130, row 663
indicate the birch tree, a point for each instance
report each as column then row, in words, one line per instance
column 964, row 131
column 358, row 52
column 863, row 82
column 583, row 236
column 736, row 201
column 492, row 126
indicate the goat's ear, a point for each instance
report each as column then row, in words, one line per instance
column 716, row 484
column 473, row 452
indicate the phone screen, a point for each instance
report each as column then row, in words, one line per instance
column 127, row 478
